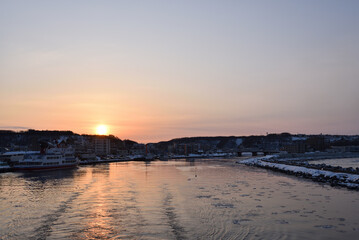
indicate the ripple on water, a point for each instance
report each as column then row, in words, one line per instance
column 155, row 201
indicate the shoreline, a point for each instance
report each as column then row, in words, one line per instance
column 84, row 163
column 335, row 176
column 314, row 156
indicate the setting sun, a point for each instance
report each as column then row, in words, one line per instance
column 101, row 130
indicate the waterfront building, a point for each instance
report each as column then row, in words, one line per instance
column 102, row 145
column 296, row 147
column 138, row 149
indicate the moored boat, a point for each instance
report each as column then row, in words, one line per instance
column 48, row 158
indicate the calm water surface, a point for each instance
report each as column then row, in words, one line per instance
column 342, row 162
column 202, row 199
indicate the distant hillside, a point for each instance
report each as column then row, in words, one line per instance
column 30, row 139
column 269, row 141
column 219, row 142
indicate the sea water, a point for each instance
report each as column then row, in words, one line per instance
column 182, row 199
column 341, row 162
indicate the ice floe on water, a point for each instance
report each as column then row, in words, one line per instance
column 334, row 178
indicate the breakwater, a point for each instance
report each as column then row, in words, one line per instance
column 335, row 176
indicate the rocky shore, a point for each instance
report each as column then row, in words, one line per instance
column 335, row 176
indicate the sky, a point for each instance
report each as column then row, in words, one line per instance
column 157, row 70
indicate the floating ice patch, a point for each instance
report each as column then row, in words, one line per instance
column 235, row 221
column 282, row 221
column 223, row 205
column 204, row 196
column 341, row 179
column 325, row 226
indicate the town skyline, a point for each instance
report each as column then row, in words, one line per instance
column 108, row 134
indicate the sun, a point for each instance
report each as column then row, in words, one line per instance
column 101, row 130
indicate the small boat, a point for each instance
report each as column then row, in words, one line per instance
column 89, row 158
column 138, row 157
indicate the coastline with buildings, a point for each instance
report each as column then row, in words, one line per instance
column 242, row 180
column 283, row 152
column 92, row 149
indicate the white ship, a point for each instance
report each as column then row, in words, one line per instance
column 48, row 158
column 15, row 156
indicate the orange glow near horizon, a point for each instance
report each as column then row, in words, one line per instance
column 102, row 130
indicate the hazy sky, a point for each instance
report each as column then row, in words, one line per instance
column 156, row 70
